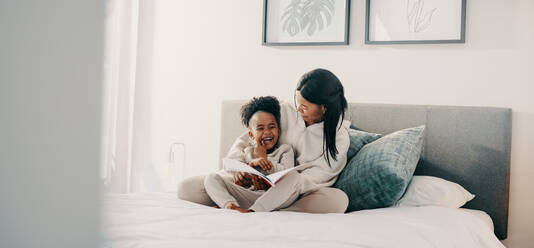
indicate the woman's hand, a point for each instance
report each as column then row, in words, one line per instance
column 243, row 179
column 258, row 183
column 264, row 163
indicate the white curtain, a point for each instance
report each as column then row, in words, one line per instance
column 126, row 165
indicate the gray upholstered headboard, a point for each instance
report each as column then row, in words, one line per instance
column 466, row 145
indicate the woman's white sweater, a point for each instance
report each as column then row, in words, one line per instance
column 307, row 143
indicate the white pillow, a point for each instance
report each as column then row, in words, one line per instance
column 434, row 191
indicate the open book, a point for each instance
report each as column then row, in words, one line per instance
column 238, row 166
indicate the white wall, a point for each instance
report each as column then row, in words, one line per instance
column 206, row 51
column 50, row 92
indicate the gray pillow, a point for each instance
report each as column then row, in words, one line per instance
column 358, row 139
column 379, row 173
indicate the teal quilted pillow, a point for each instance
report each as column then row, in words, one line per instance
column 379, row 173
column 358, row 139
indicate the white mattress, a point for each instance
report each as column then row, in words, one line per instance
column 161, row 220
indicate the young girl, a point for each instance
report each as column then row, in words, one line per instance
column 262, row 116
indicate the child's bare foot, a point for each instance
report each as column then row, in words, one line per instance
column 233, row 206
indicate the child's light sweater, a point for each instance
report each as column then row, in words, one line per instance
column 307, row 143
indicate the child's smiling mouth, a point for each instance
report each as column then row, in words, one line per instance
column 267, row 140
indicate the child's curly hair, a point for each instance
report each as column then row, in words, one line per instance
column 268, row 104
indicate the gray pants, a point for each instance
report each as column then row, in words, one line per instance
column 222, row 190
column 324, row 200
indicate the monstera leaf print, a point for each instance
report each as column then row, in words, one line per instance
column 307, row 15
column 291, row 18
column 315, row 13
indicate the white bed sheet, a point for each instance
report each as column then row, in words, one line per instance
column 481, row 215
column 161, row 220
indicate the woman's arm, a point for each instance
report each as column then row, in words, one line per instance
column 286, row 161
column 237, row 151
column 320, row 172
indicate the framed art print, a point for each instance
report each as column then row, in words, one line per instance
column 306, row 22
column 415, row 21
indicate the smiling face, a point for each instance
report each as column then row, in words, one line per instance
column 311, row 113
column 263, row 126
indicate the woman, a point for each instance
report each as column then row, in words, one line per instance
column 315, row 128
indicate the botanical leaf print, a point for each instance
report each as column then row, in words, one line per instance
column 307, row 15
column 315, row 13
column 417, row 20
column 291, row 18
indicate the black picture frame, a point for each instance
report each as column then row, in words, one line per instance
column 425, row 41
column 267, row 42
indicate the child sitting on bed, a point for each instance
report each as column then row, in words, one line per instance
column 262, row 117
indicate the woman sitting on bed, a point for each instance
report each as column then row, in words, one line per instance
column 315, row 128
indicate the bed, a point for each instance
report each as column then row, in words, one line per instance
column 466, row 145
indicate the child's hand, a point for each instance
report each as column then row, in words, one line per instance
column 258, row 183
column 264, row 163
column 242, row 179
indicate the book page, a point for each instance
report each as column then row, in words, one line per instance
column 238, row 166
column 276, row 176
